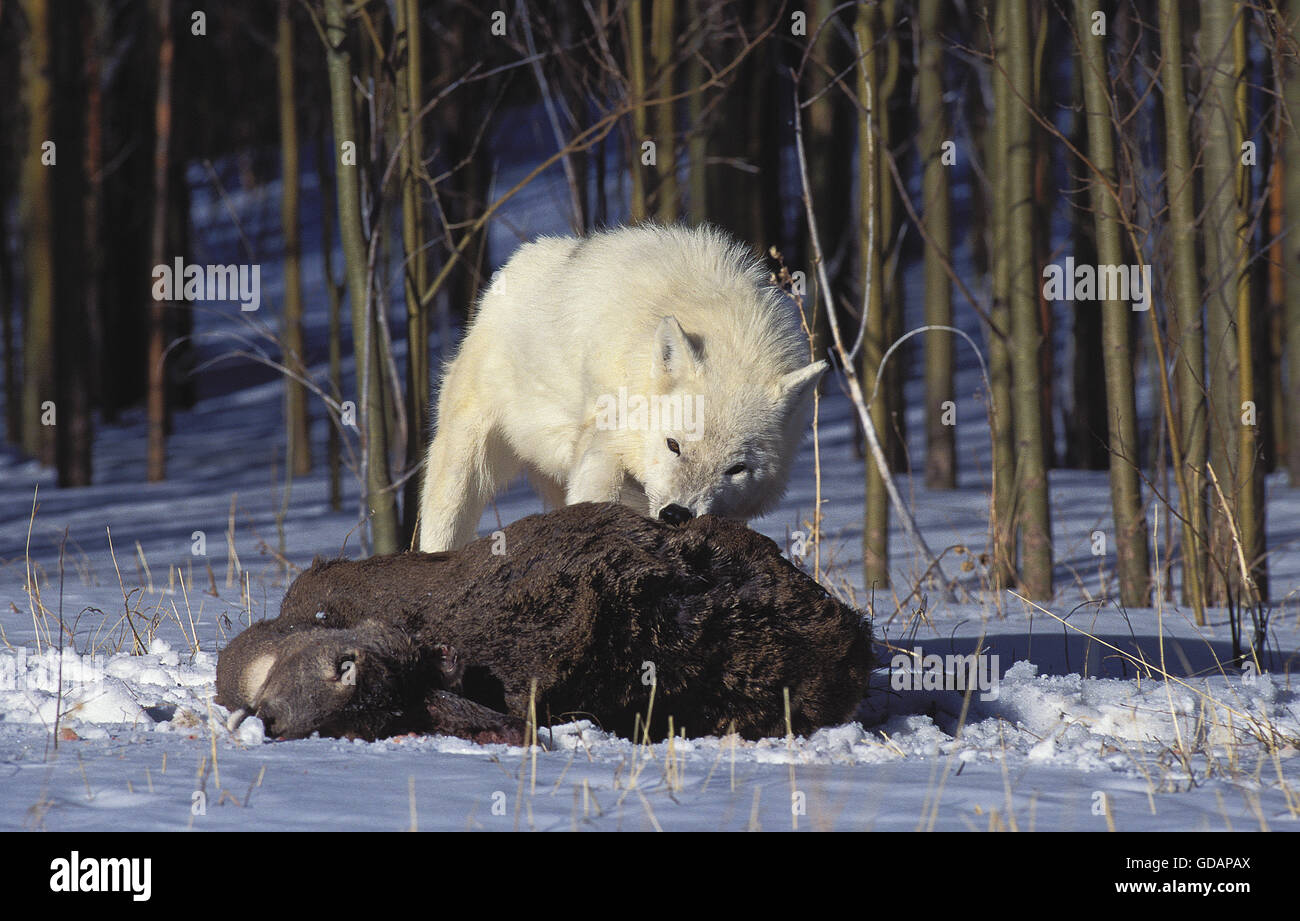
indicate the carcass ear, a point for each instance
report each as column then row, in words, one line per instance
column 674, row 358
column 797, row 386
column 254, row 677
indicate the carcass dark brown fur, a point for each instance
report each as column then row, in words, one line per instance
column 593, row 602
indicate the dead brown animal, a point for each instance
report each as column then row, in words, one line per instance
column 593, row 602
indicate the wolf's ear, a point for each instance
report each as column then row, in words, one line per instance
column 797, row 386
column 673, row 357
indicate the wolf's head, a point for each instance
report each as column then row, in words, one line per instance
column 722, row 439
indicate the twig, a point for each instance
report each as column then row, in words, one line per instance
column 850, row 376
column 576, row 220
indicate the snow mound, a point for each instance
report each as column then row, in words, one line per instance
column 161, row 689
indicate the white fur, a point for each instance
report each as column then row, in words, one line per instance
column 660, row 311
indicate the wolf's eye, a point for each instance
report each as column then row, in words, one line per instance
column 736, row 470
column 674, row 446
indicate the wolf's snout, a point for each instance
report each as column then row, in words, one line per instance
column 675, row 514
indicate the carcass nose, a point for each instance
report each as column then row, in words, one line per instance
column 270, row 721
column 675, row 514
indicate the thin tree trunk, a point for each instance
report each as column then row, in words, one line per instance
column 1273, row 305
column 73, row 433
column 1249, row 483
column 1086, row 439
column 179, row 316
column 1041, row 21
column 1117, row 357
column 1220, row 236
column 36, row 214
column 975, row 109
column 11, row 139
column 379, row 500
column 95, row 43
column 157, row 394
column 374, row 104
column 460, row 198
column 830, row 162
column 1291, row 165
column 636, row 76
column 297, row 423
column 1187, row 332
column 410, row 135
column 328, row 198
column 888, row 230
column 661, row 45
column 940, row 442
column 875, row 523
column 743, row 146
column 762, row 146
column 697, row 143
column 1005, row 509
column 8, row 305
column 1027, row 336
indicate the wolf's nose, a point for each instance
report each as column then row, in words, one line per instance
column 675, row 514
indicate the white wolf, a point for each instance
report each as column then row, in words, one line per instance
column 646, row 365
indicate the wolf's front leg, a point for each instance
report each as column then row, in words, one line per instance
column 599, row 474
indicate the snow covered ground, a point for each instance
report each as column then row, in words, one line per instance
column 1078, row 733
